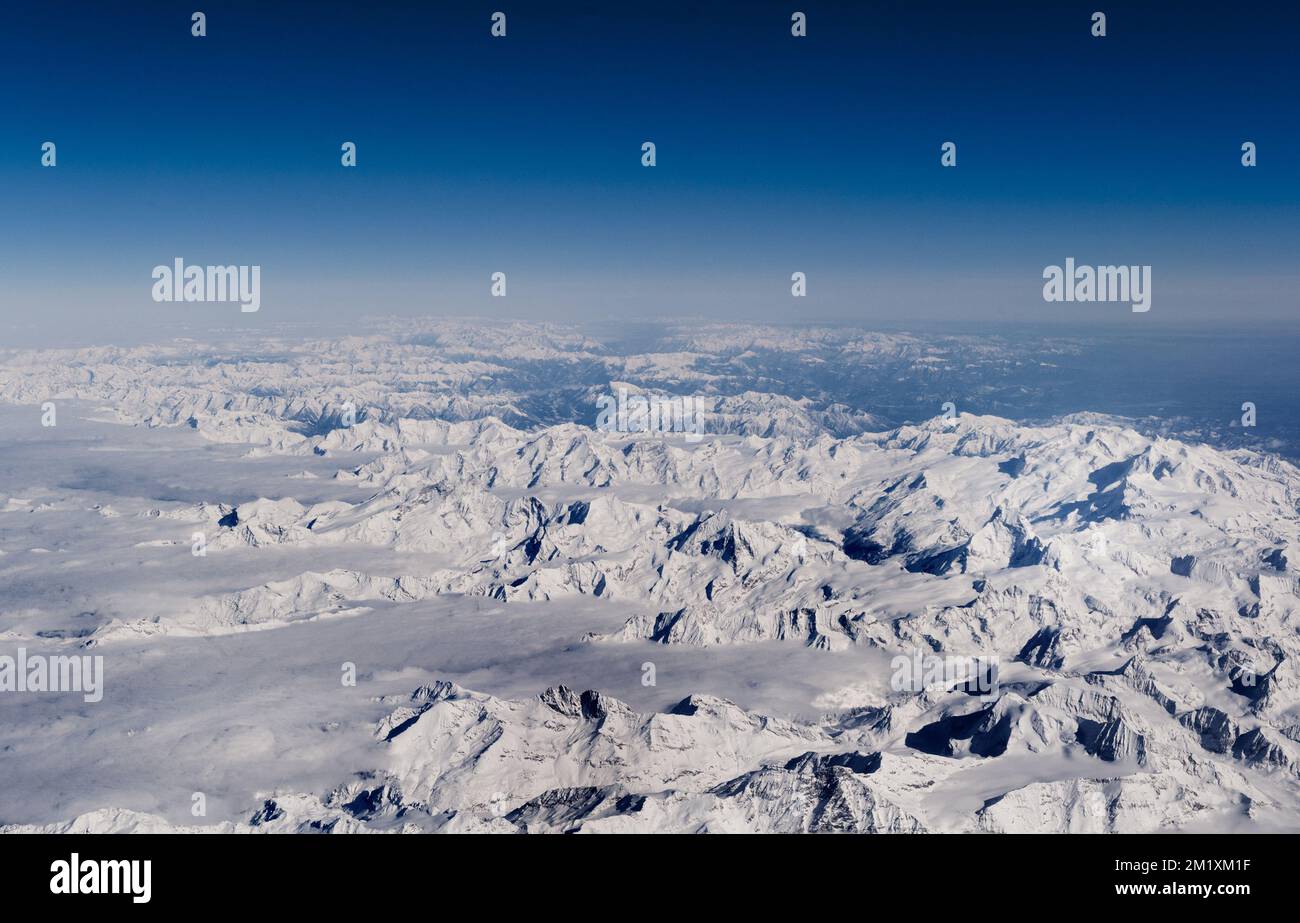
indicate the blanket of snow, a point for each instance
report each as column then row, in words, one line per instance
column 557, row 628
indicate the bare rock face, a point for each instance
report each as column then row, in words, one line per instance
column 1218, row 733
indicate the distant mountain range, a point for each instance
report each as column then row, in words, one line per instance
column 1140, row 593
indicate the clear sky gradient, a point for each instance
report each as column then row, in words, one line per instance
column 522, row 155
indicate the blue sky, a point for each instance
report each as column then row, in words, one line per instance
column 522, row 155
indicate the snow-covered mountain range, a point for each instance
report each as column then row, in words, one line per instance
column 1139, row 593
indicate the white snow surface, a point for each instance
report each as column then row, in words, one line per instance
column 555, row 628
